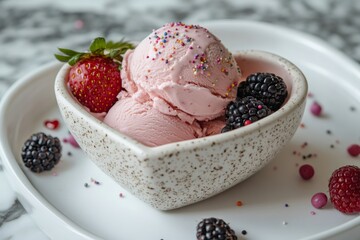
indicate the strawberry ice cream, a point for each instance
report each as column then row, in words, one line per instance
column 177, row 82
column 142, row 122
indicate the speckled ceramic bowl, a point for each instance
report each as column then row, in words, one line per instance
column 178, row 174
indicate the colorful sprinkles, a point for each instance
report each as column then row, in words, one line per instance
column 167, row 42
column 94, row 181
column 239, row 203
column 71, row 140
column 160, row 40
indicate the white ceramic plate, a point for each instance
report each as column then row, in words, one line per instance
column 65, row 209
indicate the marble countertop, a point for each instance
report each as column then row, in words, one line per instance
column 30, row 32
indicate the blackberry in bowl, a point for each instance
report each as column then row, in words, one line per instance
column 243, row 112
column 266, row 87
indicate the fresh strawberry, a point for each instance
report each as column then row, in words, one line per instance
column 344, row 188
column 94, row 77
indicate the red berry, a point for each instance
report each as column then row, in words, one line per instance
column 95, row 82
column 319, row 200
column 247, row 122
column 344, row 189
column 306, row 171
column 94, row 78
column 316, row 109
column 354, row 150
column 52, row 124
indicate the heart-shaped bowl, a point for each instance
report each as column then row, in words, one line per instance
column 181, row 173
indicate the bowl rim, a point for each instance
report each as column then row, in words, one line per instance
column 297, row 97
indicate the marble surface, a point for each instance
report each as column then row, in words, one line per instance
column 30, row 32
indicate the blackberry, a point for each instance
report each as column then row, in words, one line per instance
column 243, row 112
column 41, row 152
column 267, row 87
column 243, row 90
column 214, row 229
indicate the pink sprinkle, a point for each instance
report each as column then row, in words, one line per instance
column 316, row 109
column 54, row 173
column 71, row 140
column 319, row 200
column 354, row 150
column 306, row 171
column 94, row 181
column 79, row 24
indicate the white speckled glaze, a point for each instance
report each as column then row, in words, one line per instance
column 178, row 174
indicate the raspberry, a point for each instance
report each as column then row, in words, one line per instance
column 214, row 229
column 344, row 189
column 41, row 152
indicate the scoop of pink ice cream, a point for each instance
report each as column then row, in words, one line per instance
column 144, row 123
column 185, row 70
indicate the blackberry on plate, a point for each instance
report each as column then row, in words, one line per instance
column 214, row 229
column 267, row 87
column 41, row 152
column 243, row 112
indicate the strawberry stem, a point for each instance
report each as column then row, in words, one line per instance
column 98, row 47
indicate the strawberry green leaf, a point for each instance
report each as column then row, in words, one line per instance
column 115, row 53
column 62, row 58
column 97, row 45
column 68, row 52
column 117, row 45
column 75, row 58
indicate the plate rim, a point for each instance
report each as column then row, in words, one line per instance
column 13, row 171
